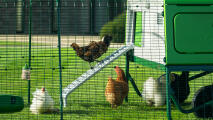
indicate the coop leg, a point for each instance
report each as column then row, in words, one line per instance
column 29, row 86
column 168, row 94
column 199, row 75
column 127, row 71
column 134, row 85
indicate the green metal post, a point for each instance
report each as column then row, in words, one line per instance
column 129, row 77
column 30, row 37
column 168, row 94
column 59, row 52
column 127, row 71
column 109, row 9
column 92, row 10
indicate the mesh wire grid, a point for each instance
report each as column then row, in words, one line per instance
column 30, row 34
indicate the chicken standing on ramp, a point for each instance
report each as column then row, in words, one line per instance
column 92, row 51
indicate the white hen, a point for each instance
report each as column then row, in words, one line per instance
column 154, row 92
column 42, row 102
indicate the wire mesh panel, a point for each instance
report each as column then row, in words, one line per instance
column 91, row 59
column 88, row 100
column 13, row 57
column 29, row 61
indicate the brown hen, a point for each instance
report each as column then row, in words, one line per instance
column 117, row 90
column 92, row 51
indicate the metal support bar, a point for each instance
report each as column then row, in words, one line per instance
column 199, row 75
column 127, row 72
column 134, row 86
column 30, row 38
column 128, row 76
column 192, row 109
column 190, row 68
column 92, row 13
column 59, row 51
column 168, row 104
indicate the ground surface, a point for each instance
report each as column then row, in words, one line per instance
column 88, row 101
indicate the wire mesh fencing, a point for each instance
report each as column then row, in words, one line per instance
column 89, row 59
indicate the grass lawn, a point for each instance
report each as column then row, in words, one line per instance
column 88, row 101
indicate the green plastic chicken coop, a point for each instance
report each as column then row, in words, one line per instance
column 176, row 35
column 189, row 39
column 189, row 32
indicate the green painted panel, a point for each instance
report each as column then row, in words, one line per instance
column 138, row 29
column 189, row 1
column 193, row 33
column 173, row 57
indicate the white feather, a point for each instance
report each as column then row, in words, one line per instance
column 154, row 91
column 42, row 102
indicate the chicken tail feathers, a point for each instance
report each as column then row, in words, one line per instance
column 107, row 39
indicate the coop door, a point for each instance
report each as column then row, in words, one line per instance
column 193, row 33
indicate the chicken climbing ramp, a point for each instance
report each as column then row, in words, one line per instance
column 88, row 74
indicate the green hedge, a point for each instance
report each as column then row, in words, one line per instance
column 115, row 28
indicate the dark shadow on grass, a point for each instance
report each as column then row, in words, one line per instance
column 104, row 104
column 76, row 112
column 89, row 105
column 86, row 105
column 158, row 109
column 55, row 111
column 151, row 108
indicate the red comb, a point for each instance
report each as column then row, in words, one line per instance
column 43, row 89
